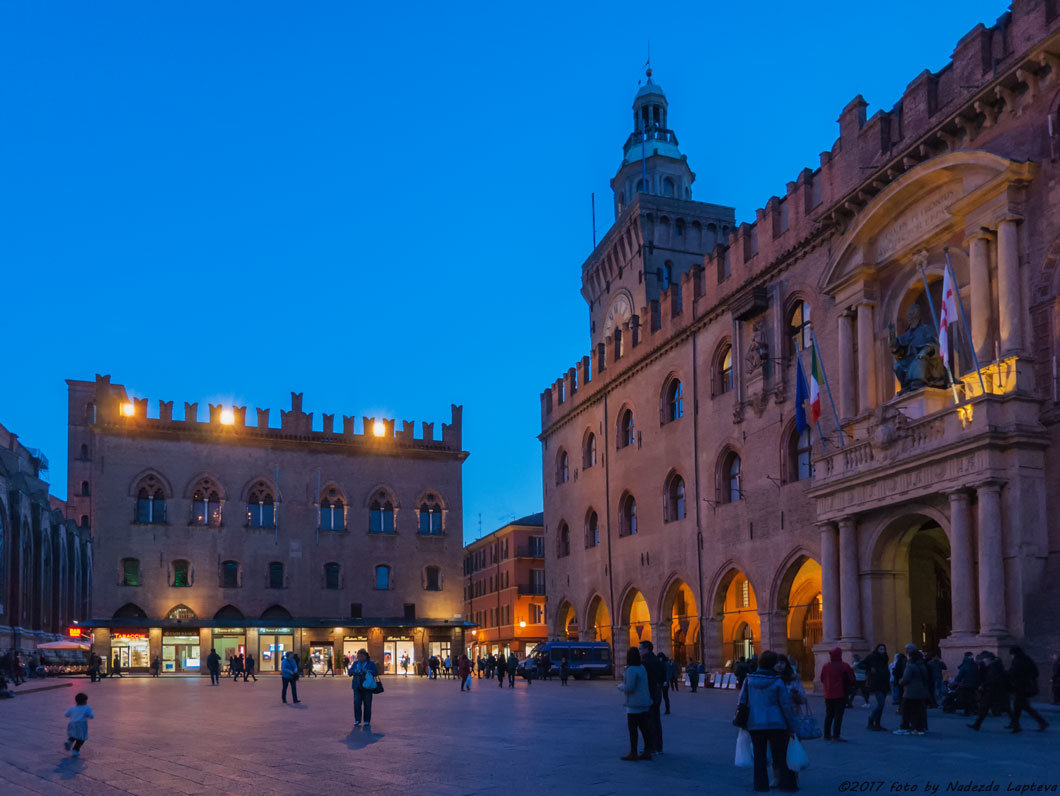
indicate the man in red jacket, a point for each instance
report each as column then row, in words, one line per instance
column 838, row 680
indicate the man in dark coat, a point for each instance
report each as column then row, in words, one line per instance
column 967, row 684
column 993, row 689
column 213, row 666
column 1023, row 680
column 656, row 670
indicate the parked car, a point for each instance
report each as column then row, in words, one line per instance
column 587, row 659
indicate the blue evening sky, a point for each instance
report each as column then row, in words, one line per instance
column 384, row 206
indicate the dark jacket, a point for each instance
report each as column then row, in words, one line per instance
column 656, row 670
column 836, row 676
column 249, row 663
column 213, row 662
column 916, row 680
column 877, row 676
column 1023, row 675
column 768, row 702
column 995, row 685
column 359, row 670
column 968, row 674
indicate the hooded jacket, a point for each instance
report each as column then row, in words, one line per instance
column 878, row 678
column 916, row 680
column 768, row 702
column 836, row 676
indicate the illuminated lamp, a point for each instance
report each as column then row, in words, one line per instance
column 128, row 409
column 228, row 417
column 379, row 428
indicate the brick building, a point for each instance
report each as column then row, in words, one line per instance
column 682, row 504
column 252, row 537
column 45, row 559
column 504, row 588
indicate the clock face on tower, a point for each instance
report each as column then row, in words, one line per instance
column 618, row 314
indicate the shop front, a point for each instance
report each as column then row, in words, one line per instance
column 321, row 653
column 180, row 651
column 399, row 655
column 131, row 648
column 273, row 644
column 230, row 642
column 441, row 650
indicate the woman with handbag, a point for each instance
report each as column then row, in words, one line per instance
column 770, row 721
column 365, row 676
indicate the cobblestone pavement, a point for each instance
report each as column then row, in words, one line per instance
column 183, row 736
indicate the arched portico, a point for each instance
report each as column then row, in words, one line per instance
column 597, row 626
column 798, row 602
column 734, row 611
column 679, row 607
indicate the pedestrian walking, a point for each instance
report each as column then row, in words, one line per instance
column 674, row 670
column 77, row 727
column 465, row 673
column 935, row 666
column 656, row 676
column 289, row 672
column 771, row 722
column 967, row 684
column 638, row 705
column 692, row 670
column 877, row 684
column 916, row 693
column 564, row 671
column 513, row 667
column 115, row 668
column 237, row 667
column 213, row 666
column 156, row 666
column 993, row 689
column 740, row 670
column 248, row 668
column 502, row 666
column 94, row 665
column 1023, row 680
column 491, row 663
column 668, row 671
column 365, row 676
column 859, row 682
column 838, row 679
column 330, row 667
column 789, row 676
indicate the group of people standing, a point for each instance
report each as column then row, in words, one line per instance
column 643, row 685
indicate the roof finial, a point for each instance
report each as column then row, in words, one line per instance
column 647, row 64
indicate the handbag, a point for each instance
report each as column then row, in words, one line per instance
column 806, row 726
column 797, row 759
column 742, row 716
column 744, row 758
column 378, row 686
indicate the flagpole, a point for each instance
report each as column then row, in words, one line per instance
column 964, row 321
column 828, row 387
column 801, row 389
column 935, row 323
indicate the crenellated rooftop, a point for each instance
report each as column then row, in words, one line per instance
column 115, row 410
column 995, row 72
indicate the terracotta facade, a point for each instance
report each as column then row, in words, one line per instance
column 274, row 538
column 504, row 589
column 925, row 516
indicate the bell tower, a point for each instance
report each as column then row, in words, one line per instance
column 651, row 160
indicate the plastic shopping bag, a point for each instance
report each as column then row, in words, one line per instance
column 797, row 757
column 744, row 757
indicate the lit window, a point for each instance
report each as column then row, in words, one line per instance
column 130, row 572
column 799, row 328
column 206, row 504
column 181, row 574
column 150, row 502
column 261, row 510
column 627, row 432
column 723, row 378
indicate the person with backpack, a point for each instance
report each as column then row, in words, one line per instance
column 1023, row 680
column 838, row 680
column 365, row 676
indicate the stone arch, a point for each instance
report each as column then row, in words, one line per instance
column 635, row 616
column 276, row 613
column 908, row 554
column 181, row 613
column 201, row 480
column 672, row 394
column 597, row 625
column 229, row 612
column 249, row 486
column 731, row 607
column 566, row 621
column 795, row 600
column 679, row 608
column 389, row 493
column 145, row 475
column 130, row 611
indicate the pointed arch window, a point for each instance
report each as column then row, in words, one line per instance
column 181, row 613
column 627, row 431
column 673, row 401
column 261, row 507
column 332, row 511
column 150, row 502
column 562, row 467
column 206, row 504
column 431, row 516
column 723, row 378
column 592, row 529
column 799, row 328
column 730, row 478
column 589, row 451
column 564, row 541
column 675, row 498
column 800, row 455
column 381, row 514
column 627, row 515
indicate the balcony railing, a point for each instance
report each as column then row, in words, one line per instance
column 532, row 589
column 530, row 551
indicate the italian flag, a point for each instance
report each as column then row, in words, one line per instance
column 815, row 387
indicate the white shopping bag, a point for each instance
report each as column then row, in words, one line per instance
column 797, row 757
column 744, row 756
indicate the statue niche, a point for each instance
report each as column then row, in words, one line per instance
column 917, row 362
